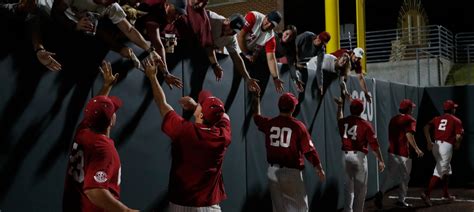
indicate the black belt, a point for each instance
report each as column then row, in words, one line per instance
column 355, row 152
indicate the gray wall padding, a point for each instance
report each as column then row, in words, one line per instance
column 39, row 115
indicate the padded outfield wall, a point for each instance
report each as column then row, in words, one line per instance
column 40, row 110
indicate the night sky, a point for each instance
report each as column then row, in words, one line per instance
column 380, row 14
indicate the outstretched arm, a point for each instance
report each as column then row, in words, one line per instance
column 339, row 103
column 252, row 84
column 256, row 104
column 158, row 94
column 109, row 78
column 363, row 85
column 272, row 65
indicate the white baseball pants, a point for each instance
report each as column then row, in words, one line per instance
column 355, row 185
column 287, row 189
column 442, row 152
column 398, row 169
column 180, row 208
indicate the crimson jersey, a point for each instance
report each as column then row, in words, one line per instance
column 357, row 67
column 398, row 127
column 446, row 127
column 197, row 154
column 256, row 38
column 93, row 163
column 286, row 141
column 356, row 133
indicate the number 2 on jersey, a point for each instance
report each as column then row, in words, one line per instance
column 442, row 124
column 278, row 138
column 352, row 131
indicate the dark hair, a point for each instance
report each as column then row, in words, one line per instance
column 449, row 111
column 404, row 111
column 292, row 28
column 286, row 110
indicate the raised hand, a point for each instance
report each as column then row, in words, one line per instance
column 109, row 77
column 150, row 68
column 46, row 59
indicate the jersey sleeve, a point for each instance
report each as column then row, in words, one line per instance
column 270, row 45
column 224, row 125
column 261, row 122
column 410, row 125
column 371, row 137
column 99, row 170
column 251, row 19
column 116, row 13
column 172, row 123
column 339, row 53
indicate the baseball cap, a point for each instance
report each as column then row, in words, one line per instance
column 356, row 107
column 212, row 107
column 237, row 22
column 359, row 52
column 180, row 5
column 406, row 103
column 274, row 17
column 100, row 109
column 287, row 101
column 324, row 37
column 449, row 105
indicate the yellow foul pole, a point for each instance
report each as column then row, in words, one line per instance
column 360, row 13
column 332, row 24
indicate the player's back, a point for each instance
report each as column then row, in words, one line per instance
column 446, row 127
column 283, row 137
column 355, row 133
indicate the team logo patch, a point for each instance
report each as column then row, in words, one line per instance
column 100, row 177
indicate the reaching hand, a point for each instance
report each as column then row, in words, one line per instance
column 338, row 101
column 299, row 86
column 172, row 80
column 321, row 174
column 84, row 24
column 381, row 166
column 46, row 58
column 188, row 103
column 252, row 85
column 129, row 54
column 150, row 68
column 218, row 71
column 278, row 85
column 368, row 97
column 106, row 70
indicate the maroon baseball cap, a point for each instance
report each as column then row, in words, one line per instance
column 324, row 37
column 356, row 107
column 406, row 104
column 212, row 107
column 100, row 109
column 287, row 101
column 449, row 105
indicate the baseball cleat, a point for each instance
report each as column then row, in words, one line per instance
column 426, row 199
column 403, row 204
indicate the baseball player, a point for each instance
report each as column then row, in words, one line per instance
column 356, row 133
column 401, row 130
column 448, row 133
column 258, row 34
column 286, row 141
column 93, row 170
column 197, row 149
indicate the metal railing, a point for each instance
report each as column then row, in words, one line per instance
column 465, row 47
column 401, row 44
